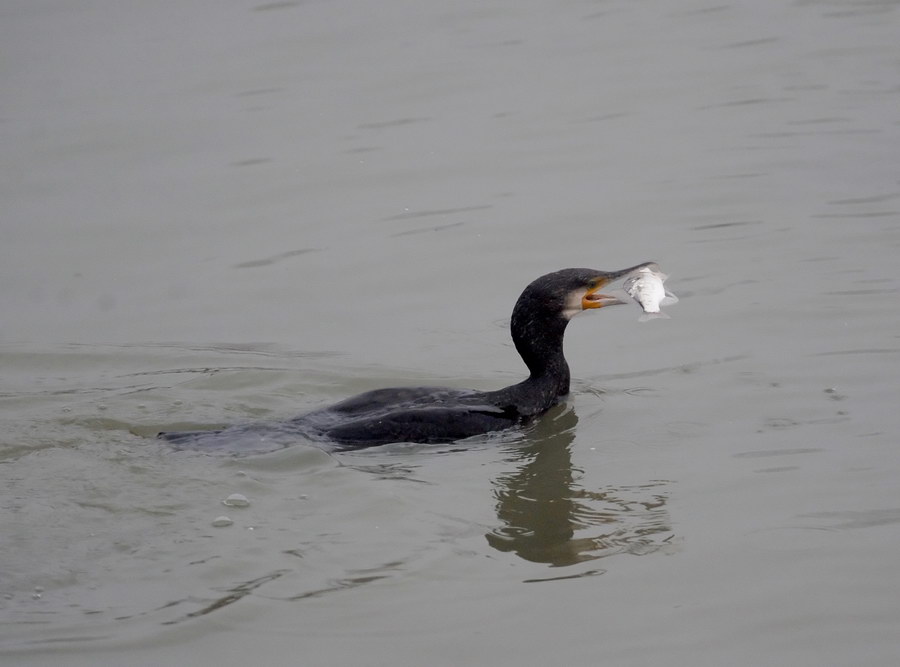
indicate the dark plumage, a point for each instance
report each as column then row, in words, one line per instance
column 438, row 415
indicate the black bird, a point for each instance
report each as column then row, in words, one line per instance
column 440, row 415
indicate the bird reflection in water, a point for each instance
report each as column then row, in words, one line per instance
column 548, row 517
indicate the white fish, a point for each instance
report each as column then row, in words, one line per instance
column 646, row 287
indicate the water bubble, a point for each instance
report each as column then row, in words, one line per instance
column 236, row 500
column 222, row 521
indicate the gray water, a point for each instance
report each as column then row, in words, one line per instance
column 219, row 212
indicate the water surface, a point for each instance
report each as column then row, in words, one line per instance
column 226, row 212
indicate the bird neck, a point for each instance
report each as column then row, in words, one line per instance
column 539, row 341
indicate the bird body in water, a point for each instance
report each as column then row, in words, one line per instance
column 441, row 415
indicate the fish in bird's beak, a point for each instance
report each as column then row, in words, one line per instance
column 646, row 287
column 593, row 298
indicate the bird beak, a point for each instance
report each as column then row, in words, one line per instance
column 594, row 299
column 624, row 273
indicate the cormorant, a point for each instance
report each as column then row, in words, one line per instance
column 441, row 415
